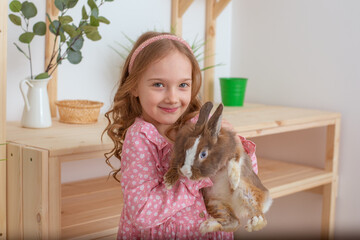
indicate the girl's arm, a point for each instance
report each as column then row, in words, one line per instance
column 147, row 200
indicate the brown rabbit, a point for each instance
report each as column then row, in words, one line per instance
column 205, row 150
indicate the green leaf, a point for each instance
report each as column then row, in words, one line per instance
column 28, row 9
column 54, row 26
column 76, row 43
column 74, row 57
column 39, row 28
column 59, row 4
column 92, row 33
column 62, row 36
column 15, row 19
column 71, row 30
column 26, row 37
column 94, row 21
column 92, row 4
column 103, row 20
column 71, row 3
column 65, row 19
column 84, row 14
column 88, row 28
column 15, row 6
column 94, row 36
column 21, row 51
column 42, row 75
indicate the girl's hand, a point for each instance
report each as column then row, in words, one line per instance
column 226, row 125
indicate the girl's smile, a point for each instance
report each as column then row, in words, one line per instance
column 169, row 110
column 164, row 90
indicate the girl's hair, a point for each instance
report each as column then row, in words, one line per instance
column 126, row 107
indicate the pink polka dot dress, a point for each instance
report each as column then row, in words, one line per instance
column 150, row 210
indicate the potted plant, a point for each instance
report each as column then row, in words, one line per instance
column 69, row 37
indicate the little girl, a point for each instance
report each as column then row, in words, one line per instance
column 158, row 94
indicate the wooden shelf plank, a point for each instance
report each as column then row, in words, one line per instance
column 85, row 187
column 283, row 178
column 90, row 208
column 72, row 142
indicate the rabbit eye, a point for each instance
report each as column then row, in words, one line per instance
column 203, row 154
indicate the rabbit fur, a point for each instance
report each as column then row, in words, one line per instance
column 204, row 150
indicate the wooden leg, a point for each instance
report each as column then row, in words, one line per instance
column 14, row 192
column 54, row 198
column 35, row 193
column 328, row 211
column 330, row 190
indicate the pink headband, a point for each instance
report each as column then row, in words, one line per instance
column 154, row 39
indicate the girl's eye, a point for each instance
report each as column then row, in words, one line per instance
column 158, row 85
column 203, row 154
column 184, row 85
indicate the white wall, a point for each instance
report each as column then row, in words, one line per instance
column 304, row 53
column 96, row 76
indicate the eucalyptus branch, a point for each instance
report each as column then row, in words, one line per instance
column 62, row 28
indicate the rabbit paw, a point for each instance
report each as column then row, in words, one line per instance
column 255, row 223
column 170, row 178
column 234, row 171
column 210, row 225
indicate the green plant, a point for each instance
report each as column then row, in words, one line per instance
column 196, row 46
column 65, row 31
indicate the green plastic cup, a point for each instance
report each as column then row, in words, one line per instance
column 233, row 91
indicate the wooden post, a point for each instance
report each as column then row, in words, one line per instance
column 49, row 45
column 330, row 190
column 15, row 192
column 35, row 193
column 213, row 10
column 3, row 56
column 178, row 8
column 54, row 198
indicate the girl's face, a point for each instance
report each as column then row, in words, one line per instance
column 164, row 90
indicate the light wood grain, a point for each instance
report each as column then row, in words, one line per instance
column 91, row 208
column 209, row 51
column 213, row 10
column 219, row 7
column 178, row 8
column 3, row 60
column 282, row 178
column 35, row 193
column 63, row 139
column 50, row 44
column 14, row 192
column 330, row 190
column 54, row 198
column 71, row 141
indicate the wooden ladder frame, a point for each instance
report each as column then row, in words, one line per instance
column 213, row 10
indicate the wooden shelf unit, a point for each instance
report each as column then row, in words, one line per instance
column 91, row 208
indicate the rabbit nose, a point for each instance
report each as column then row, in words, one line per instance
column 186, row 171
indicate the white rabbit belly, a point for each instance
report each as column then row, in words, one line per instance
column 221, row 187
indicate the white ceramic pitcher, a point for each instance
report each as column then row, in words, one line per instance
column 36, row 112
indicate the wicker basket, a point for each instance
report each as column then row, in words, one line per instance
column 79, row 111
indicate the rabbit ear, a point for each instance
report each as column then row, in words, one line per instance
column 204, row 114
column 214, row 123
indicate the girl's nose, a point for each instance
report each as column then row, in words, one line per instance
column 171, row 96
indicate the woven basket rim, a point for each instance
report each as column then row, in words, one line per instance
column 81, row 103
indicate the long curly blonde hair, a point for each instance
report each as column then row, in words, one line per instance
column 126, row 107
